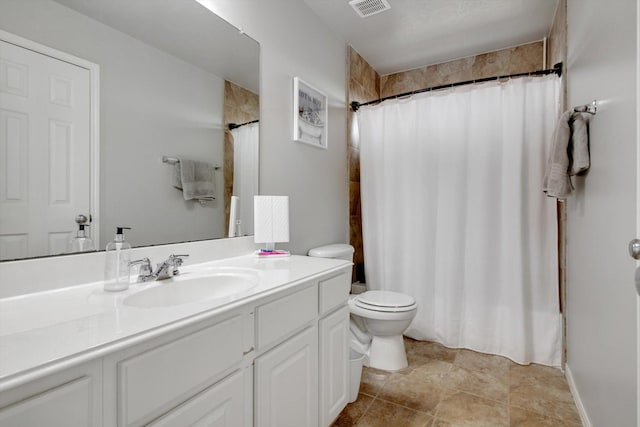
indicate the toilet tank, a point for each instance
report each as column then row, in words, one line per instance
column 338, row 250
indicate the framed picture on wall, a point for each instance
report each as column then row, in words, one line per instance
column 310, row 114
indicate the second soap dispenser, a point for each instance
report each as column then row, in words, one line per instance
column 81, row 242
column 118, row 257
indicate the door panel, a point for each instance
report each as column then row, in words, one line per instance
column 45, row 144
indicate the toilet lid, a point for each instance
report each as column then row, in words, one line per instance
column 385, row 301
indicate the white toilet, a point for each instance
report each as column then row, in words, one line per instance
column 378, row 318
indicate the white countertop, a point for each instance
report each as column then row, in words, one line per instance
column 44, row 332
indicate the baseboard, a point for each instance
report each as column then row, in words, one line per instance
column 586, row 422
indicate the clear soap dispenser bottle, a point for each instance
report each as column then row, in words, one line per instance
column 80, row 242
column 118, row 256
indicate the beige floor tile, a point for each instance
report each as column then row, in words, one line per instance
column 353, row 412
column 441, row 423
column 461, row 388
column 463, row 409
column 373, row 380
column 496, row 366
column 522, row 418
column 432, row 372
column 484, row 375
column 430, row 349
column 411, row 391
column 537, row 375
column 545, row 401
column 415, row 361
column 386, row 414
column 544, row 390
column 485, row 384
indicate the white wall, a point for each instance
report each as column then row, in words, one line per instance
column 152, row 104
column 294, row 43
column 601, row 311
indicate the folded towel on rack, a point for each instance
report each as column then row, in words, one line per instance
column 569, row 154
column 196, row 180
column 579, row 145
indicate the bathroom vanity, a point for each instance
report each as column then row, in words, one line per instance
column 274, row 353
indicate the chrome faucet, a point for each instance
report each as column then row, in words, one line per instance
column 169, row 267
column 164, row 270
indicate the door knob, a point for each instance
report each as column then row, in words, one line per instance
column 634, row 248
column 81, row 219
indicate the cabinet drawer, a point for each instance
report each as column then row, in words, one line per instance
column 284, row 315
column 334, row 292
column 222, row 405
column 152, row 382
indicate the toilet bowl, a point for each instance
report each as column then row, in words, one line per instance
column 378, row 319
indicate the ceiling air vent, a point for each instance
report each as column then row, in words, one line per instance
column 367, row 8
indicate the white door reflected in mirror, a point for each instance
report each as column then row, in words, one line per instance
column 45, row 132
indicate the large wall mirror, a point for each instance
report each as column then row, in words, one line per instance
column 150, row 83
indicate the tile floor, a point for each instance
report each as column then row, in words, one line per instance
column 444, row 387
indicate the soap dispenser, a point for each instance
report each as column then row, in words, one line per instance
column 80, row 242
column 118, row 256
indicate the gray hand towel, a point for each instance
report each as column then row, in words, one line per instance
column 579, row 145
column 195, row 179
column 556, row 179
column 569, row 154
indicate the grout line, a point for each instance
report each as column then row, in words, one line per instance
column 365, row 411
column 402, row 406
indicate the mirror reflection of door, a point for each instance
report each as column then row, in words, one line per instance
column 45, row 144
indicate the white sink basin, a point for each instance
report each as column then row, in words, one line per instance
column 195, row 286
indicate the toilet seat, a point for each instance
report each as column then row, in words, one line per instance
column 385, row 301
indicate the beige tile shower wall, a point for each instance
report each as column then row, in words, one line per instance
column 240, row 106
column 519, row 59
column 364, row 85
column 557, row 44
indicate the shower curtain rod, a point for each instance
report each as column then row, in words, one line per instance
column 557, row 69
column 233, row 126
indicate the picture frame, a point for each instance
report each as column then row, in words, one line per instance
column 310, row 114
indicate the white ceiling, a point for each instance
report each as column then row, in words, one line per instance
column 415, row 33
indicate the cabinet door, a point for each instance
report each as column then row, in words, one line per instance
column 221, row 405
column 334, row 365
column 68, row 405
column 286, row 383
column 72, row 397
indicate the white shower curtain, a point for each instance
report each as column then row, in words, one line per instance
column 454, row 214
column 245, row 172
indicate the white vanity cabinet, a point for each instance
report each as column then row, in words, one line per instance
column 276, row 359
column 221, row 405
column 303, row 381
column 72, row 398
column 334, row 346
column 334, row 365
column 286, row 383
column 196, row 370
column 286, row 377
